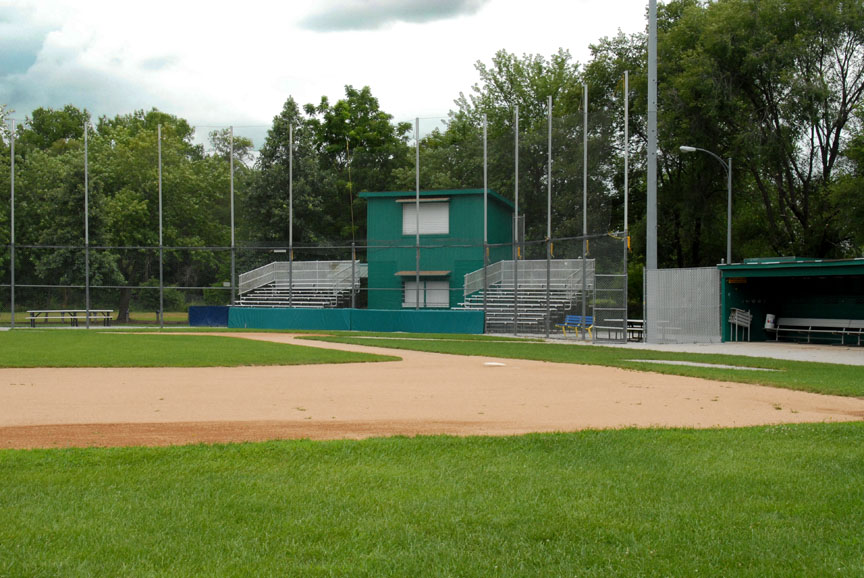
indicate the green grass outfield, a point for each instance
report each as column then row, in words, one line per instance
column 824, row 378
column 766, row 501
column 78, row 348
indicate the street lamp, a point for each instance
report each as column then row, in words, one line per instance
column 728, row 167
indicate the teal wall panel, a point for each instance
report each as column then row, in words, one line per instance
column 274, row 318
column 413, row 321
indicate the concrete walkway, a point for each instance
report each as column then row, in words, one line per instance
column 845, row 355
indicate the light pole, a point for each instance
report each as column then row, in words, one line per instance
column 728, row 167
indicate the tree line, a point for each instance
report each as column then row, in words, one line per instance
column 775, row 84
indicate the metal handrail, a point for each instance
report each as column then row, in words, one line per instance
column 336, row 274
column 532, row 272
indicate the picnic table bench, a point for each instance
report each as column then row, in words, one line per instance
column 72, row 315
column 633, row 328
column 577, row 322
column 810, row 326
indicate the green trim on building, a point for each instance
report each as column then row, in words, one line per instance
column 446, row 193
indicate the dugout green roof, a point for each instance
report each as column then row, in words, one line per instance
column 793, row 267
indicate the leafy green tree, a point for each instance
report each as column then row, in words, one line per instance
column 48, row 128
column 5, row 129
column 195, row 195
column 147, row 297
column 340, row 150
column 241, row 148
column 773, row 84
column 358, row 142
column 847, row 191
column 604, row 74
column 50, row 206
column 5, row 174
column 266, row 207
column 526, row 82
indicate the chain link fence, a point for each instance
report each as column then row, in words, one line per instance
column 192, row 223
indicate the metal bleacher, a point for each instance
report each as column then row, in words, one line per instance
column 302, row 284
column 526, row 305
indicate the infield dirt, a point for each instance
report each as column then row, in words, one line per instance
column 425, row 393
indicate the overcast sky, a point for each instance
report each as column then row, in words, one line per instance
column 219, row 63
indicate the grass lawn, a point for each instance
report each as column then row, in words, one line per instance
column 806, row 376
column 56, row 348
column 768, row 501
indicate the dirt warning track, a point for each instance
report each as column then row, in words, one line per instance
column 425, row 393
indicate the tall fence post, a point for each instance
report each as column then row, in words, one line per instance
column 485, row 227
column 626, row 153
column 549, row 228
column 417, row 210
column 516, row 222
column 626, row 283
column 233, row 246
column 548, row 285
column 290, row 215
column 651, row 143
column 585, row 205
column 161, row 254
column 626, row 197
column 86, row 228
column 353, row 274
column 12, row 227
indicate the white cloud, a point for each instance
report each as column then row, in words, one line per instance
column 219, row 63
column 338, row 15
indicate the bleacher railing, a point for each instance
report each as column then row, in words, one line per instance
column 336, row 275
column 564, row 274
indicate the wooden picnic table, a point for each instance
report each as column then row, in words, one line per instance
column 73, row 315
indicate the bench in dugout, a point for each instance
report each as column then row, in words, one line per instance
column 739, row 321
column 818, row 328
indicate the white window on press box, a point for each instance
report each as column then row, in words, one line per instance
column 432, row 294
column 434, row 218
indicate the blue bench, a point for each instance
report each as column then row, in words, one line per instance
column 577, row 322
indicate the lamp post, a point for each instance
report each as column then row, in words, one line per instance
column 728, row 166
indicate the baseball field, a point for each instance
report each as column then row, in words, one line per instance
column 264, row 454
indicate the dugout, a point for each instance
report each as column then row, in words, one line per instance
column 791, row 287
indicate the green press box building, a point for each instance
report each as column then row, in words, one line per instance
column 451, row 244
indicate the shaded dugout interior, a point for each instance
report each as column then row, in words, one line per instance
column 792, row 287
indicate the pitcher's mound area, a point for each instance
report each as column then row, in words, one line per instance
column 425, row 393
